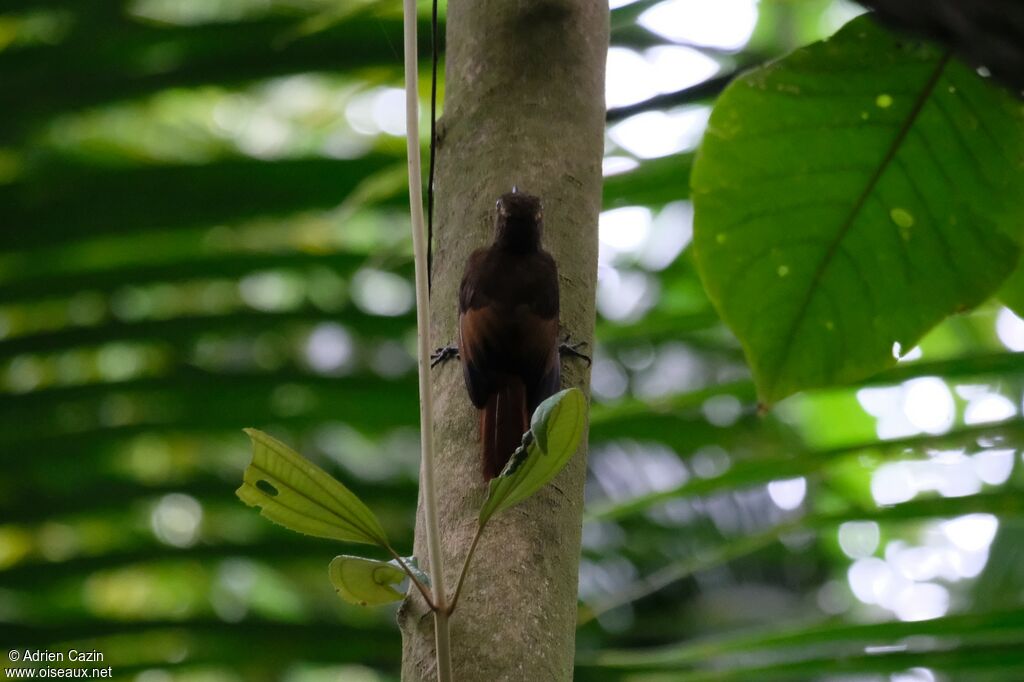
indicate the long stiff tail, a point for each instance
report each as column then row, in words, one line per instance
column 503, row 422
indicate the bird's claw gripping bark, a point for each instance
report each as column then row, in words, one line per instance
column 572, row 350
column 442, row 354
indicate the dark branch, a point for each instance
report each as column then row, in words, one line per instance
column 695, row 93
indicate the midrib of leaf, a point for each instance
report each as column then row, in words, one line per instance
column 301, row 494
column 357, row 524
column 869, row 188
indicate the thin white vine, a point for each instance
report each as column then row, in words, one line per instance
column 429, row 488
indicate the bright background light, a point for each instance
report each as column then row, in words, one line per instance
column 723, row 24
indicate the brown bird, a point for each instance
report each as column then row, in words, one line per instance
column 508, row 328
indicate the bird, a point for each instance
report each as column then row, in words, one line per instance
column 508, row 327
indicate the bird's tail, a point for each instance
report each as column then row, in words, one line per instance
column 503, row 422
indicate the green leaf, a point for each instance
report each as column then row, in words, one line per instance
column 655, row 182
column 979, row 627
column 850, row 196
column 957, row 643
column 295, row 493
column 365, row 582
column 1012, row 293
column 555, row 431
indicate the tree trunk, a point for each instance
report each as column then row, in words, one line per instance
column 524, row 106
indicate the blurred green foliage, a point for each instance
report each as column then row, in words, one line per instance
column 204, row 229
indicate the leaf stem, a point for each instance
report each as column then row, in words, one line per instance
column 465, row 565
column 428, row 485
column 412, row 576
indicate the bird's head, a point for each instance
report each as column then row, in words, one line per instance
column 519, row 221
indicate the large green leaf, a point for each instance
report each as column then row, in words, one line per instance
column 1012, row 293
column 849, row 197
column 292, row 491
column 365, row 582
column 554, row 435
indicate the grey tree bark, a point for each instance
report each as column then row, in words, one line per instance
column 525, row 106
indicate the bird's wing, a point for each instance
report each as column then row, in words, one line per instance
column 543, row 378
column 477, row 335
column 543, row 375
column 477, row 322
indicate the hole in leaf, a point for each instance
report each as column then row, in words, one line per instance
column 266, row 487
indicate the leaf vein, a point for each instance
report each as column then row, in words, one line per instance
column 844, row 228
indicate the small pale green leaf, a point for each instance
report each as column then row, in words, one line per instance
column 539, row 425
column 365, row 582
column 295, row 493
column 850, row 196
column 558, row 423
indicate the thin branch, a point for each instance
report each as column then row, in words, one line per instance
column 429, row 487
column 412, row 576
column 465, row 566
column 695, row 93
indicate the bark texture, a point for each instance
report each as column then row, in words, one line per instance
column 524, row 105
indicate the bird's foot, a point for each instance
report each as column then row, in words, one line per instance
column 443, row 353
column 573, row 350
